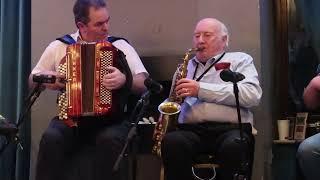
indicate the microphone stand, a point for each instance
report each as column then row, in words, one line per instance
column 144, row 101
column 13, row 137
column 242, row 174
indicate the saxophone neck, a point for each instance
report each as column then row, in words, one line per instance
column 189, row 52
column 186, row 60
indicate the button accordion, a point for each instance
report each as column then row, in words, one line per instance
column 84, row 67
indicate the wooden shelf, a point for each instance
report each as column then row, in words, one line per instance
column 286, row 141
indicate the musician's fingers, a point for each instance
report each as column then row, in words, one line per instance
column 114, row 83
column 180, row 91
column 112, row 69
column 193, row 88
column 181, row 86
column 113, row 74
column 120, row 80
column 106, row 84
column 184, row 92
column 108, row 76
column 183, row 81
column 110, row 79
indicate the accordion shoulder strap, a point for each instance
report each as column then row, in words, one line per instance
column 115, row 38
column 67, row 39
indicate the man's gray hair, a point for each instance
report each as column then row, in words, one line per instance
column 81, row 9
column 224, row 32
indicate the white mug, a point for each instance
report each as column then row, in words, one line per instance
column 283, row 128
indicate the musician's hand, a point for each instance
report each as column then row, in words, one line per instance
column 187, row 87
column 114, row 80
column 58, row 85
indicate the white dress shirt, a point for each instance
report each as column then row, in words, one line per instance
column 56, row 51
column 216, row 101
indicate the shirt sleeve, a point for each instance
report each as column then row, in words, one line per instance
column 221, row 92
column 47, row 60
column 132, row 57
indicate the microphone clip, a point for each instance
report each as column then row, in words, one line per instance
column 229, row 76
column 153, row 86
column 44, row 78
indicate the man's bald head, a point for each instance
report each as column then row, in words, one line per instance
column 211, row 35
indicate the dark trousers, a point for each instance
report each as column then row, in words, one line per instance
column 62, row 149
column 180, row 147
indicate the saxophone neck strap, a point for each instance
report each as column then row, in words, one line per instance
column 205, row 72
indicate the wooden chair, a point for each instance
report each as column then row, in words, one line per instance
column 206, row 161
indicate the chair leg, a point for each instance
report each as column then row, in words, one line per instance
column 162, row 172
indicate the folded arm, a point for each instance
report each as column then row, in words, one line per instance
column 311, row 94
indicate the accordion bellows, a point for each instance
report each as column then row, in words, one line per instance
column 84, row 67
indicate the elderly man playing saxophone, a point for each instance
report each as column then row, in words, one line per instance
column 208, row 119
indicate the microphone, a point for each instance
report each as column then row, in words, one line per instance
column 44, row 78
column 7, row 128
column 153, row 86
column 228, row 75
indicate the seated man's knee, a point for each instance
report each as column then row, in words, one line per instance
column 107, row 141
column 112, row 136
column 176, row 144
column 172, row 141
column 51, row 138
column 233, row 151
column 305, row 148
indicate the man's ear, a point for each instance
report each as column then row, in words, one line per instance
column 225, row 39
column 80, row 25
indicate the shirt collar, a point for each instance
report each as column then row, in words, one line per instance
column 79, row 38
column 210, row 61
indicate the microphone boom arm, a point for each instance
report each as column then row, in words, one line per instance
column 29, row 101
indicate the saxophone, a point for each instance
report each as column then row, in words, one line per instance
column 170, row 108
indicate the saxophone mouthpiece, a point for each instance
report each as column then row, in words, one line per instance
column 199, row 48
column 195, row 49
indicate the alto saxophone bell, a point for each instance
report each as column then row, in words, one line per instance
column 169, row 108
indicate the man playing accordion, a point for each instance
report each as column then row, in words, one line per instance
column 61, row 141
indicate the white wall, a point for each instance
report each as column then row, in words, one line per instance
column 153, row 27
column 49, row 20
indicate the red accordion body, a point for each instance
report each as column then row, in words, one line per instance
column 84, row 68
